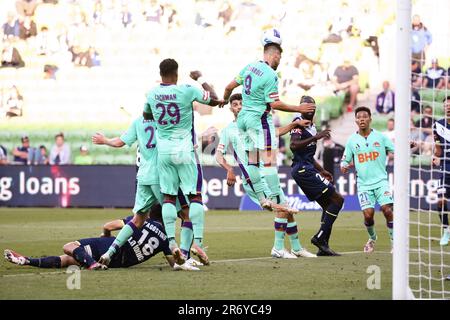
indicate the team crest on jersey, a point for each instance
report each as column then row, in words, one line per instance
column 387, row 193
column 376, row 144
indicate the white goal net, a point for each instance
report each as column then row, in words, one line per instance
column 429, row 255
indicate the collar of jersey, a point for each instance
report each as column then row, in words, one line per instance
column 371, row 130
column 166, row 84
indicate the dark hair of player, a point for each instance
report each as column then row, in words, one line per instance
column 272, row 46
column 60, row 135
column 148, row 116
column 168, row 67
column 236, row 96
column 360, row 109
column 446, row 98
column 307, row 99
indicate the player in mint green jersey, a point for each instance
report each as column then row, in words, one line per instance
column 178, row 164
column 142, row 130
column 259, row 97
column 230, row 136
column 367, row 150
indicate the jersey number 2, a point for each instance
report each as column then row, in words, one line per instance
column 149, row 144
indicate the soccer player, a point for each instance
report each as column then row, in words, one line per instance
column 259, row 97
column 139, row 247
column 441, row 131
column 367, row 149
column 142, row 130
column 178, row 164
column 315, row 182
column 230, row 136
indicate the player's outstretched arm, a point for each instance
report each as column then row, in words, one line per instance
column 299, row 144
column 302, row 108
column 100, row 139
column 281, row 131
column 112, row 226
column 197, row 76
column 231, row 177
column 229, row 90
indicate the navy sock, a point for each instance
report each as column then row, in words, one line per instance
column 83, row 258
column 45, row 262
column 443, row 215
column 329, row 216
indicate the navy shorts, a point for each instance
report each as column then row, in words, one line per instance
column 95, row 247
column 311, row 182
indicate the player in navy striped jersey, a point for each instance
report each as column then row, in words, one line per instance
column 441, row 131
column 314, row 181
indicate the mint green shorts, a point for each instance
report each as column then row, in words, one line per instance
column 381, row 195
column 182, row 171
column 258, row 131
column 146, row 197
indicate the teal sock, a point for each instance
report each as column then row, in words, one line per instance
column 390, row 226
column 186, row 237
column 273, row 181
column 280, row 230
column 169, row 214
column 197, row 216
column 122, row 237
column 292, row 232
column 256, row 181
column 371, row 231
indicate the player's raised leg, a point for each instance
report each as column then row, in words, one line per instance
column 145, row 199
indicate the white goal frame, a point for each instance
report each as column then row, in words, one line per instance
column 400, row 261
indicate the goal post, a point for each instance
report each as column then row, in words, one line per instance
column 400, row 274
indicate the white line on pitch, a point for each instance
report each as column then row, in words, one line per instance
column 163, row 265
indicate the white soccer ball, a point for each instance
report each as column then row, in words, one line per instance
column 271, row 36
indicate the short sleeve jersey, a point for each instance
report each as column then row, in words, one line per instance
column 260, row 87
column 172, row 109
column 369, row 156
column 144, row 132
column 304, row 157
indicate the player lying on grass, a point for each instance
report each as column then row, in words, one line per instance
column 284, row 222
column 148, row 192
column 142, row 245
column 441, row 132
column 315, row 182
column 367, row 150
column 259, row 96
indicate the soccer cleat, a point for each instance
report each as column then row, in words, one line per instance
column 200, row 254
column 303, row 253
column 97, row 266
column 194, row 262
column 15, row 257
column 445, row 237
column 282, row 254
column 185, row 266
column 328, row 253
column 324, row 249
column 369, row 247
column 105, row 259
column 270, row 205
column 448, row 278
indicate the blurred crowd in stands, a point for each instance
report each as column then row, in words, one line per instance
column 94, row 59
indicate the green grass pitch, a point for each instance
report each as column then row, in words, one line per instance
column 239, row 246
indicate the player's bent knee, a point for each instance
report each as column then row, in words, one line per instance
column 69, row 247
column 196, row 198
